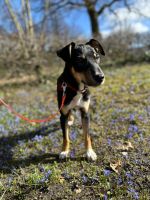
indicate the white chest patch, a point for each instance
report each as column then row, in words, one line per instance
column 77, row 101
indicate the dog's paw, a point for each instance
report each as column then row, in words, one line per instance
column 91, row 155
column 64, row 154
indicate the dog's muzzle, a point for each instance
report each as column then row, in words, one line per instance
column 99, row 78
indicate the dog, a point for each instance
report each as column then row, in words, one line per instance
column 81, row 71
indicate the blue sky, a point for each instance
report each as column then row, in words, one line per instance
column 79, row 20
column 107, row 22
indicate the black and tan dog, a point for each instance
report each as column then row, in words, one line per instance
column 81, row 70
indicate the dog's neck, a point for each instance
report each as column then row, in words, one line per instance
column 69, row 78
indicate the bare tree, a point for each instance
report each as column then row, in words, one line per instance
column 17, row 25
column 94, row 8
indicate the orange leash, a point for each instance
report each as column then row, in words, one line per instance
column 33, row 121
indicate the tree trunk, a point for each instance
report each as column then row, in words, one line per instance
column 18, row 27
column 30, row 21
column 93, row 16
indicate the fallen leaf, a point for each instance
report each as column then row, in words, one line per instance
column 125, row 147
column 129, row 145
column 115, row 166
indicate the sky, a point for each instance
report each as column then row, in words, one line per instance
column 79, row 21
column 134, row 21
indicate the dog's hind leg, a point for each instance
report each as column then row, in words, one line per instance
column 91, row 155
column 66, row 142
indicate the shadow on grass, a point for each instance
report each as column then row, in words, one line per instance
column 7, row 163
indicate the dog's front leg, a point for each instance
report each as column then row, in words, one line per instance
column 66, row 142
column 91, row 155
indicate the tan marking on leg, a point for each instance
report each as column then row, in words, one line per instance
column 85, row 106
column 66, row 141
column 88, row 142
column 91, row 155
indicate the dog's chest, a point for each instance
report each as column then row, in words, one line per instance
column 77, row 101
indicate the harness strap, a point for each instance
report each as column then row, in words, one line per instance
column 60, row 87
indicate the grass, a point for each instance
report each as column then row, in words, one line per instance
column 120, row 113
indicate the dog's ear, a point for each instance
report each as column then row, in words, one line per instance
column 97, row 46
column 66, row 52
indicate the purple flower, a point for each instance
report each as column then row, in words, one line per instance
column 140, row 117
column 128, row 174
column 73, row 135
column 130, row 135
column 109, row 141
column 131, row 117
column 107, row 172
column 48, row 173
column 84, row 179
column 37, row 138
column 134, row 193
column 17, row 120
column 72, row 154
column 66, row 175
column 133, row 128
column 119, row 182
column 105, row 196
column 46, row 176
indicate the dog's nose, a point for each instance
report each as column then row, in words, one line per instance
column 99, row 78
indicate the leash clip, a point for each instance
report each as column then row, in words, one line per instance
column 64, row 86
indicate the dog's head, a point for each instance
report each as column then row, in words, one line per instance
column 84, row 61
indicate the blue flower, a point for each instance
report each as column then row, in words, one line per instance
column 134, row 193
column 119, row 182
column 72, row 154
column 73, row 135
column 131, row 117
column 105, row 197
column 107, row 172
column 37, row 138
column 128, row 174
column 109, row 141
column 48, row 173
column 66, row 175
column 46, row 176
column 84, row 179
column 133, row 128
column 17, row 120
column 130, row 135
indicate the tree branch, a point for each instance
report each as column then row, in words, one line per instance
column 106, row 5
